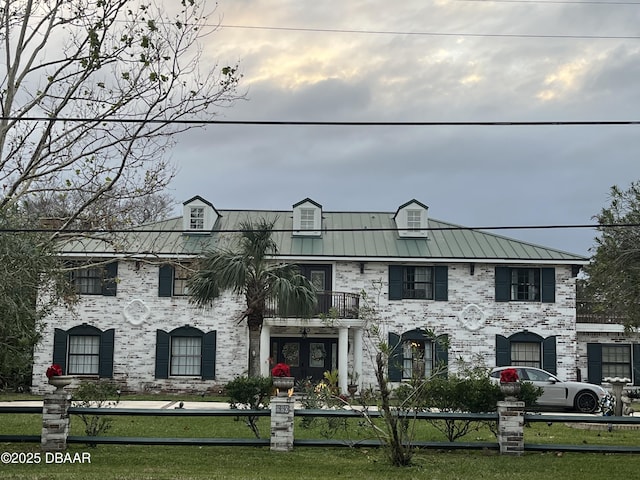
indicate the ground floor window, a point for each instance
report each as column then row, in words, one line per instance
column 613, row 360
column 526, row 354
column 185, row 352
column 186, row 355
column 84, row 354
column 526, row 349
column 616, row 361
column 84, row 350
column 417, row 359
column 417, row 354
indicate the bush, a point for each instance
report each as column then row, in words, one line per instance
column 251, row 393
column 97, row 395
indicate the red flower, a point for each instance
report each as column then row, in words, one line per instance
column 54, row 370
column 508, row 375
column 281, row 370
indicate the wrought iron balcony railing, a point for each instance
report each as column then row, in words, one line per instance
column 590, row 312
column 335, row 304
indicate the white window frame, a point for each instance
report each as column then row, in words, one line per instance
column 196, row 218
column 84, row 355
column 185, row 356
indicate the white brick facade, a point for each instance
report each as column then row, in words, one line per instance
column 136, row 312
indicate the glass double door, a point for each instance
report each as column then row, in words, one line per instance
column 307, row 357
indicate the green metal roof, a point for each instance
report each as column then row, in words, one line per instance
column 356, row 235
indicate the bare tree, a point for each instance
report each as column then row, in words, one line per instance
column 107, row 80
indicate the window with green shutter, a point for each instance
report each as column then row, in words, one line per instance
column 418, row 282
column 185, row 351
column 84, row 350
column 525, row 284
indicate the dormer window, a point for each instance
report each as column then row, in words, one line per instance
column 196, row 218
column 199, row 216
column 307, row 218
column 414, row 219
column 411, row 220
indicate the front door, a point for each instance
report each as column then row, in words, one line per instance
column 320, row 277
column 307, row 357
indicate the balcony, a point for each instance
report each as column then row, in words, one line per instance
column 332, row 304
column 589, row 312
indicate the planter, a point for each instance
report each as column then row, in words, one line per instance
column 60, row 381
column 510, row 390
column 352, row 389
column 283, row 384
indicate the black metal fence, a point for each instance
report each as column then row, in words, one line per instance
column 610, row 421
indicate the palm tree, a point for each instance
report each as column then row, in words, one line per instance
column 250, row 270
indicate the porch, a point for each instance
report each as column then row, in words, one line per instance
column 314, row 346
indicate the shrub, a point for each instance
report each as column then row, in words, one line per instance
column 251, row 393
column 97, row 395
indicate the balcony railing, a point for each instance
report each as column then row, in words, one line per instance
column 332, row 304
column 589, row 312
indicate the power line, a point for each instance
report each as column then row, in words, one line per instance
column 562, row 2
column 329, row 230
column 323, row 123
column 431, row 34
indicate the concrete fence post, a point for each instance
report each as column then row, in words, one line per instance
column 55, row 421
column 282, row 423
column 511, row 427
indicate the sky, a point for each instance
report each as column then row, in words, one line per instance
column 425, row 61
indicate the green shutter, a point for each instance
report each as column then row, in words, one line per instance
column 395, row 282
column 109, row 285
column 594, row 363
column 395, row 358
column 441, row 274
column 548, row 285
column 165, row 282
column 503, row 284
column 209, row 356
column 105, row 366
column 636, row 364
column 162, row 354
column 60, row 348
column 441, row 355
column 549, row 354
column 503, row 351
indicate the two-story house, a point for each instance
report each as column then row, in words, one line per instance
column 440, row 292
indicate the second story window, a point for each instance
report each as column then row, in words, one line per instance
column 98, row 280
column 418, row 283
column 525, row 284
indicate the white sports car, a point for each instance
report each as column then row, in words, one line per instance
column 579, row 396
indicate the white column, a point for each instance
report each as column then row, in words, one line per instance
column 265, row 346
column 357, row 355
column 343, row 358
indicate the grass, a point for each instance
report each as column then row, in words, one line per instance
column 123, row 462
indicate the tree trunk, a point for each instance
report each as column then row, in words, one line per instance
column 255, row 328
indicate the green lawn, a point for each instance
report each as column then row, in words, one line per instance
column 193, row 462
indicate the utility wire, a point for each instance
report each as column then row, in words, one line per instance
column 562, row 2
column 363, row 229
column 322, row 123
column 431, row 34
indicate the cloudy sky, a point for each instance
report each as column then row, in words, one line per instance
column 426, row 61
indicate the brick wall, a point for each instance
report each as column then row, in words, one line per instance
column 136, row 323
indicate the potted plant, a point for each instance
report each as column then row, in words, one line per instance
column 509, row 383
column 282, row 379
column 352, row 388
column 56, row 378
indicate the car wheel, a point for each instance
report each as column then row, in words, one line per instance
column 586, row 402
